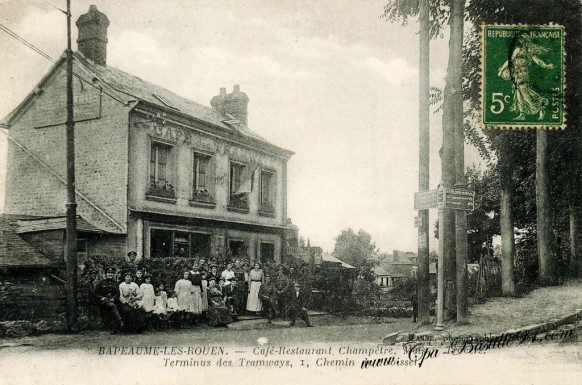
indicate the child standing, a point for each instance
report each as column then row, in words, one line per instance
column 148, row 294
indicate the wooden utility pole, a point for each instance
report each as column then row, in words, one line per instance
column 71, row 206
column 447, row 263
column 423, row 278
column 457, row 8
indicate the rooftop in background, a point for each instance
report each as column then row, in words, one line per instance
column 326, row 257
column 15, row 251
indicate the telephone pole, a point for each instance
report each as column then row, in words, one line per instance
column 423, row 280
column 446, row 302
column 457, row 8
column 71, row 206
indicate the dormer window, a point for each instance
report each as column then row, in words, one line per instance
column 166, row 102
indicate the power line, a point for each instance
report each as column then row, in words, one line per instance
column 48, row 57
column 55, row 7
column 18, row 38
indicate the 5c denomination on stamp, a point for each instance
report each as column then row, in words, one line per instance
column 523, row 75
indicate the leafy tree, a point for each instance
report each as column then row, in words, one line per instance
column 514, row 154
column 354, row 249
column 481, row 226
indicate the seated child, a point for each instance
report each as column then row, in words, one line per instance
column 162, row 289
column 159, row 307
column 175, row 312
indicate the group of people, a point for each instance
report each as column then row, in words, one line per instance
column 200, row 295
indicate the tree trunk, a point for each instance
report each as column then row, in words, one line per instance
column 506, row 218
column 574, row 230
column 457, row 8
column 446, row 216
column 424, row 166
column 547, row 272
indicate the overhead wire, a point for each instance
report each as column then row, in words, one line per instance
column 48, row 57
column 54, row 6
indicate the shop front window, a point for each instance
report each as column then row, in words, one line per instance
column 180, row 244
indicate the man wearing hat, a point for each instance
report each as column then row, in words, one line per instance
column 107, row 295
column 139, row 277
column 267, row 295
column 283, row 286
column 298, row 305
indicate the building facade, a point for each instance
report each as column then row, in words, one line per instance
column 155, row 172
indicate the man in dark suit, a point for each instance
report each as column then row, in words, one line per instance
column 267, row 295
column 298, row 305
column 106, row 294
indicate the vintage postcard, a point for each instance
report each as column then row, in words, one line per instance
column 290, row 191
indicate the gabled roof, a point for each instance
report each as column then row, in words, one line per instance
column 15, row 251
column 57, row 223
column 326, row 257
column 131, row 88
column 389, row 270
column 153, row 94
column 379, row 271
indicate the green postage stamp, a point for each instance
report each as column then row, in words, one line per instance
column 523, row 75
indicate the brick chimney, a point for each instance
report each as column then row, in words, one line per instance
column 235, row 103
column 92, row 40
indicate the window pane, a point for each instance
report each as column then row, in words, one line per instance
column 161, row 243
column 200, row 245
column 267, row 251
column 267, row 188
column 153, row 156
column 162, row 163
column 201, row 163
column 160, row 156
column 236, row 171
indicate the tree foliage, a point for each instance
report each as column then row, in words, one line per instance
column 564, row 148
column 354, row 249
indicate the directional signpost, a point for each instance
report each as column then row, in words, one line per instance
column 446, row 199
column 426, row 200
column 459, row 200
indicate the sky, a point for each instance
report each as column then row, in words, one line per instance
column 329, row 80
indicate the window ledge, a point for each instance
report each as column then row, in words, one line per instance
column 203, row 204
column 157, row 198
column 237, row 209
column 269, row 214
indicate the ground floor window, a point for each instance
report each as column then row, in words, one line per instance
column 237, row 248
column 169, row 243
column 267, row 252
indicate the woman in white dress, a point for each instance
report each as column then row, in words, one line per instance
column 255, row 280
column 147, row 301
column 204, row 292
column 133, row 314
column 196, row 279
column 183, row 290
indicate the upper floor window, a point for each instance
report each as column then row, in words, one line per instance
column 240, row 186
column 160, row 172
column 267, row 194
column 202, row 181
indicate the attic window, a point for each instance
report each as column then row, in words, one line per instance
column 165, row 101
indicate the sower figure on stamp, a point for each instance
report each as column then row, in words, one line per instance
column 267, row 295
column 526, row 101
column 298, row 305
column 106, row 294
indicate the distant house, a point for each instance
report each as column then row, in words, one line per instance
column 402, row 264
column 387, row 278
column 329, row 259
column 307, row 254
